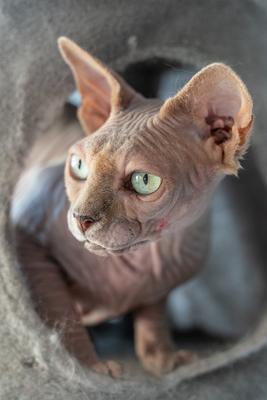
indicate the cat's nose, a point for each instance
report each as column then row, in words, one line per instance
column 84, row 221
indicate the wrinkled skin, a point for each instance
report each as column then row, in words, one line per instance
column 150, row 243
column 126, row 218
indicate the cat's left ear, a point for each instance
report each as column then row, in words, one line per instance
column 103, row 92
column 218, row 105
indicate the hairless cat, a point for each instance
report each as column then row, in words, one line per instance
column 133, row 223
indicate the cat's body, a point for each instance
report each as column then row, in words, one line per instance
column 138, row 187
column 105, row 287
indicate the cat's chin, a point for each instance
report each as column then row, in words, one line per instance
column 103, row 251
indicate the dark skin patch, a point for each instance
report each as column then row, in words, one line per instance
column 220, row 127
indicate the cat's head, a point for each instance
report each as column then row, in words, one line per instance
column 147, row 167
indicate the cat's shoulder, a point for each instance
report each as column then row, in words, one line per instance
column 38, row 198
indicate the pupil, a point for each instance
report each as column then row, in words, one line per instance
column 145, row 179
column 80, row 164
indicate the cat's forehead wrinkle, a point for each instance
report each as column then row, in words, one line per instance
column 121, row 131
column 161, row 142
column 95, row 143
column 139, row 133
column 126, row 125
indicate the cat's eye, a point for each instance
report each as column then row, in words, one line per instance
column 78, row 167
column 145, row 183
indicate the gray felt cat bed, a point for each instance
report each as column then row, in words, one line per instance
column 34, row 84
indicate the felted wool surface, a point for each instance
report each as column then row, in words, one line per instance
column 34, row 83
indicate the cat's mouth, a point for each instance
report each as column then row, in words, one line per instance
column 102, row 250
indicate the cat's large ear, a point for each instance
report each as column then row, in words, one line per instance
column 103, row 92
column 220, row 108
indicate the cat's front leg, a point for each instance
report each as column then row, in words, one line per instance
column 54, row 304
column 153, row 343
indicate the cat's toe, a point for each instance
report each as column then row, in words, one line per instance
column 110, row 367
column 162, row 362
column 115, row 369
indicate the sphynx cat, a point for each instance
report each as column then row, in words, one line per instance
column 133, row 222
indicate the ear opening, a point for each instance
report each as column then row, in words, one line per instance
column 102, row 91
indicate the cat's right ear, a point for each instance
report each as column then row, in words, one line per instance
column 103, row 92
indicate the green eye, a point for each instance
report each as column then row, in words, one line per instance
column 145, row 183
column 78, row 167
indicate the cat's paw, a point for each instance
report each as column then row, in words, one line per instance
column 111, row 368
column 160, row 362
